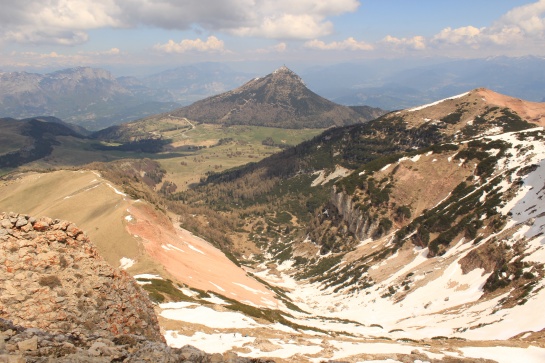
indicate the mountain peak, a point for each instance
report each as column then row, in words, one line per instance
column 286, row 72
column 283, row 69
column 280, row 99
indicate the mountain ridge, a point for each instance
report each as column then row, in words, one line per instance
column 90, row 97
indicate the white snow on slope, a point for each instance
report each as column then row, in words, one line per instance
column 148, row 276
column 125, row 263
column 210, row 343
column 115, row 190
column 436, row 102
column 506, row 354
column 209, row 317
column 195, row 248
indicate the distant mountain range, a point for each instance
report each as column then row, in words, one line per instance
column 95, row 99
column 86, row 96
column 398, row 84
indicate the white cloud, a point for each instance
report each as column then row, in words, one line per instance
column 277, row 48
column 417, row 42
column 347, row 44
column 212, row 44
column 287, row 26
column 288, row 19
column 62, row 22
column 464, row 35
column 528, row 18
column 280, row 47
column 66, row 22
column 109, row 52
column 519, row 26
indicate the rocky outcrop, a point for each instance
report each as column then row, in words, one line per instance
column 20, row 345
column 52, row 278
column 360, row 224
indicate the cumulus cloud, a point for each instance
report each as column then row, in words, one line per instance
column 528, row 19
column 109, row 52
column 347, row 44
column 280, row 47
column 520, row 25
column 67, row 21
column 39, row 60
column 60, row 22
column 212, row 44
column 287, row 26
column 277, row 48
column 417, row 42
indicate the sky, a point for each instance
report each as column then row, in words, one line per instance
column 127, row 35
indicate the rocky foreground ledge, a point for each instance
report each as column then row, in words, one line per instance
column 61, row 302
column 52, row 278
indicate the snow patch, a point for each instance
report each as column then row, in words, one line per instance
column 209, row 317
column 323, row 179
column 436, row 103
column 195, row 248
column 148, row 276
column 125, row 263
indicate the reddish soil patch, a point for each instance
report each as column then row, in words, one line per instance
column 193, row 261
column 531, row 111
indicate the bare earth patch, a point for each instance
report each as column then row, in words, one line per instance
column 193, row 261
column 532, row 111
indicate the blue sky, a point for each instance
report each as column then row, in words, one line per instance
column 127, row 34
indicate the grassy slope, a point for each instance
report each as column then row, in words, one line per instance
column 64, row 195
column 244, row 146
column 10, row 137
column 195, row 149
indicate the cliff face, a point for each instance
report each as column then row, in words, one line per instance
column 52, row 278
column 360, row 224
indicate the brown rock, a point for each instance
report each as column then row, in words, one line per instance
column 29, row 344
column 21, row 222
column 5, row 358
column 68, row 286
column 41, row 226
column 216, row 358
column 6, row 223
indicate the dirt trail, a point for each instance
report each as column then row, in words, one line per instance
column 193, row 261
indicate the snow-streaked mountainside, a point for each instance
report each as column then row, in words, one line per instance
column 436, row 249
column 413, row 300
column 415, row 296
column 418, row 236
